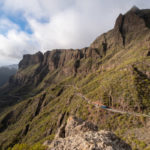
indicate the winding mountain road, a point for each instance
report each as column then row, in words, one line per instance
column 108, row 109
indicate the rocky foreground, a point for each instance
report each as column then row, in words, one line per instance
column 79, row 135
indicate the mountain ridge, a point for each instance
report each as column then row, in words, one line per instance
column 127, row 28
column 113, row 70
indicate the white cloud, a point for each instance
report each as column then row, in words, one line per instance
column 6, row 24
column 15, row 43
column 69, row 23
column 36, row 8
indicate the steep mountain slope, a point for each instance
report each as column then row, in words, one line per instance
column 114, row 70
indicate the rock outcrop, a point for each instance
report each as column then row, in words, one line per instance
column 80, row 135
column 30, row 60
column 128, row 28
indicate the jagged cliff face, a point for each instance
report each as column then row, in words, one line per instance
column 63, row 62
column 30, row 60
column 126, row 33
column 114, row 70
column 127, row 30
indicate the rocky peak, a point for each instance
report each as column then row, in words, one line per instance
column 118, row 30
column 30, row 60
column 130, row 26
column 82, row 135
column 134, row 9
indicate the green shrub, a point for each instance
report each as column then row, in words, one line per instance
column 38, row 147
column 27, row 147
column 20, row 147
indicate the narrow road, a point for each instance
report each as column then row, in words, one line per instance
column 108, row 109
column 127, row 112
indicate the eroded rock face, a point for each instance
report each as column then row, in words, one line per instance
column 30, row 60
column 60, row 57
column 128, row 27
column 80, row 135
column 131, row 25
column 66, row 62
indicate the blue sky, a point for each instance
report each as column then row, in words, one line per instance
column 19, row 20
column 27, row 26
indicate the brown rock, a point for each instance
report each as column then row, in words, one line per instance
column 30, row 60
column 148, row 53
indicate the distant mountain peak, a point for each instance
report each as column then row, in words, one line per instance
column 134, row 9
